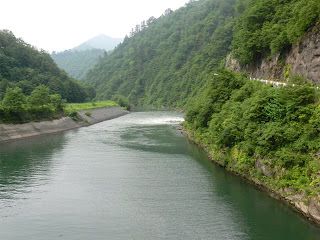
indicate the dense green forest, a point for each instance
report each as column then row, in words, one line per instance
column 241, row 121
column 31, row 85
column 23, row 66
column 268, row 27
column 77, row 63
column 166, row 60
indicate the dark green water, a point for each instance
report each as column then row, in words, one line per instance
column 135, row 177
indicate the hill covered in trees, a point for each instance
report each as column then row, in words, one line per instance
column 165, row 61
column 267, row 135
column 79, row 60
column 23, row 66
column 78, row 63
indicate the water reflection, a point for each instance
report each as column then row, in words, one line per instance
column 122, row 179
column 263, row 216
column 27, row 162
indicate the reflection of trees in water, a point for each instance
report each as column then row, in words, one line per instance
column 245, row 199
column 21, row 161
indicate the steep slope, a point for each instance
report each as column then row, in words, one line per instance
column 300, row 61
column 270, row 40
column 21, row 65
column 166, row 60
column 270, row 136
column 77, row 63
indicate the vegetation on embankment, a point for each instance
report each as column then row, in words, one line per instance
column 267, row 27
column 40, row 105
column 90, row 105
column 269, row 135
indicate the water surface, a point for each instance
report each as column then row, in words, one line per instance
column 134, row 177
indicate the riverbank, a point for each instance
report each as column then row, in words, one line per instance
column 308, row 207
column 9, row 132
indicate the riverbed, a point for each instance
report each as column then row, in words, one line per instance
column 134, row 177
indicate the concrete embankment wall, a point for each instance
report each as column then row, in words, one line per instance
column 16, row 131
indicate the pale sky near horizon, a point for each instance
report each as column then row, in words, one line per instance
column 57, row 25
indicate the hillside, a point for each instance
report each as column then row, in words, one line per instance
column 270, row 136
column 166, row 60
column 77, row 63
column 79, row 60
column 23, row 66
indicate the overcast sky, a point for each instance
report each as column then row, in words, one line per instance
column 63, row 24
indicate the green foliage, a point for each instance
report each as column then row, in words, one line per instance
column 14, row 99
column 78, row 63
column 23, row 66
column 166, row 60
column 249, row 120
column 17, row 108
column 40, row 96
column 270, row 26
column 122, row 101
column 89, row 105
column 88, row 113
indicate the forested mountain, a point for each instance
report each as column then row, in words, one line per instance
column 77, row 63
column 268, row 135
column 23, row 66
column 99, row 42
column 166, row 60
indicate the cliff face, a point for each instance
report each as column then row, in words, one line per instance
column 302, row 59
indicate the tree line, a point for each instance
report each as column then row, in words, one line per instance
column 23, row 66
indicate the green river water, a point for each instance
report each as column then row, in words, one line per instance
column 134, row 177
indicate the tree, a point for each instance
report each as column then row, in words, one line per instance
column 14, row 99
column 40, row 96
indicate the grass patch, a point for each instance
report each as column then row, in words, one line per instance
column 88, row 113
column 90, row 105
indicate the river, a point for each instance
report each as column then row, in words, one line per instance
column 134, row 177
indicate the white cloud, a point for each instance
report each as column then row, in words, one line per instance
column 63, row 24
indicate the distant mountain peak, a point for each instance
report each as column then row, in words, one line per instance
column 100, row 41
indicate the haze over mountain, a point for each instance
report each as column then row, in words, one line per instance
column 99, row 42
column 77, row 61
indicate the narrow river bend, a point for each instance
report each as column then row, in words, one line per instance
column 134, row 177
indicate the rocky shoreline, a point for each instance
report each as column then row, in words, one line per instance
column 9, row 132
column 309, row 208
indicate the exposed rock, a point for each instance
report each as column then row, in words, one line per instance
column 302, row 207
column 314, row 210
column 303, row 59
column 259, row 164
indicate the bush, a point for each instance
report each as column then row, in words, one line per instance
column 122, row 101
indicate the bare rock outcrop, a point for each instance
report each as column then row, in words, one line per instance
column 302, row 58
